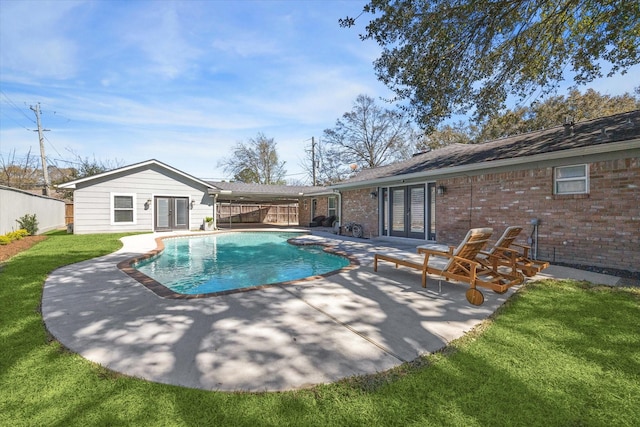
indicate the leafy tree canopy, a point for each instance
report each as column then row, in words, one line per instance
column 459, row 56
column 551, row 112
column 256, row 161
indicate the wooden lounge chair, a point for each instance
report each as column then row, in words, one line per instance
column 459, row 264
column 506, row 253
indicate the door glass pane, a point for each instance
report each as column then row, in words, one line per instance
column 182, row 212
column 417, row 209
column 162, row 213
column 397, row 210
column 432, row 211
column 385, row 211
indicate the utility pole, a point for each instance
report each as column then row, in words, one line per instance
column 313, row 159
column 45, row 171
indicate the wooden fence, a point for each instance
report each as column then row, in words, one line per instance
column 68, row 213
column 270, row 214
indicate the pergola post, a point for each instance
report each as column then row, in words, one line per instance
column 215, row 211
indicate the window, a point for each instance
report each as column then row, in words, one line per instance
column 123, row 208
column 571, row 179
column 333, row 209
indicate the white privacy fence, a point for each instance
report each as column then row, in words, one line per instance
column 15, row 204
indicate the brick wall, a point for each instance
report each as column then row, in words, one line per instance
column 322, row 208
column 601, row 228
column 358, row 206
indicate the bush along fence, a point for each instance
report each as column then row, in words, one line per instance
column 5, row 239
column 28, row 227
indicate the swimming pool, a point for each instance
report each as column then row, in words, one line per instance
column 231, row 261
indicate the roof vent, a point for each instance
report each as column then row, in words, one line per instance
column 568, row 125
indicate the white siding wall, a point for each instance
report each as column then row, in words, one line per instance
column 92, row 204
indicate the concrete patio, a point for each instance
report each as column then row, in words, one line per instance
column 278, row 338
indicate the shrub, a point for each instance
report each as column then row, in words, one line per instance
column 5, row 240
column 14, row 235
column 29, row 223
column 21, row 233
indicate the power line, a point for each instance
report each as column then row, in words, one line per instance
column 13, row 104
column 16, row 122
column 52, row 146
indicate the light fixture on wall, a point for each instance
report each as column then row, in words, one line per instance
column 305, row 203
column 441, row 190
column 147, row 204
column 193, row 203
column 373, row 194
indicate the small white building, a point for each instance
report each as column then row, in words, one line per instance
column 153, row 196
column 146, row 196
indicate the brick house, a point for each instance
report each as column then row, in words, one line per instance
column 575, row 189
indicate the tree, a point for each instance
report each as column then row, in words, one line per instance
column 368, row 136
column 457, row 133
column 553, row 111
column 22, row 175
column 330, row 169
column 256, row 161
column 84, row 167
column 456, row 56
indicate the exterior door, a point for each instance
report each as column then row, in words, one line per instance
column 407, row 211
column 172, row 213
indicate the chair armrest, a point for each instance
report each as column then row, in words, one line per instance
column 506, row 252
column 525, row 248
column 437, row 252
column 473, row 267
column 472, row 263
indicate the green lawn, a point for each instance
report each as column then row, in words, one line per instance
column 557, row 354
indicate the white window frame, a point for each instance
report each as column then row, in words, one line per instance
column 113, row 208
column 332, row 210
column 584, row 179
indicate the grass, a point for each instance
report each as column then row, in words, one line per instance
column 558, row 353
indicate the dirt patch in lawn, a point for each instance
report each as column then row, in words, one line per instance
column 17, row 246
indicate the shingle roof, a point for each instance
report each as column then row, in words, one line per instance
column 620, row 127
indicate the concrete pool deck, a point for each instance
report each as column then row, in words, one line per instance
column 272, row 339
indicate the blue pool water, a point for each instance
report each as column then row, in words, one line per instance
column 214, row 263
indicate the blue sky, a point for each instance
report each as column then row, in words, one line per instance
column 183, row 82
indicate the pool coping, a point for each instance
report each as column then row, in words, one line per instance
column 126, row 266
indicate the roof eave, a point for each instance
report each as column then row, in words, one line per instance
column 514, row 161
column 73, row 184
